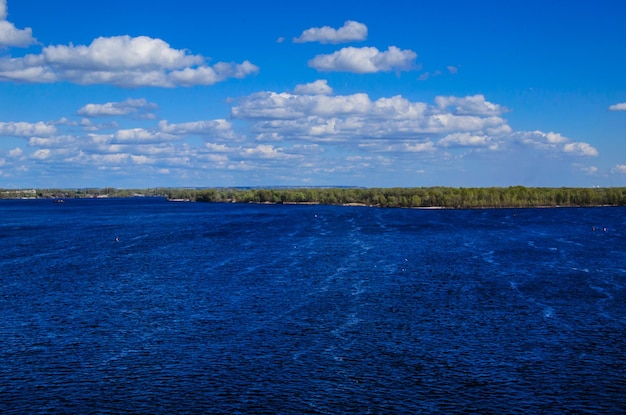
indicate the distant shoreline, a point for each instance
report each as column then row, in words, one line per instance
column 418, row 197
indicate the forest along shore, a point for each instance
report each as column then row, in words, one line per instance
column 415, row 197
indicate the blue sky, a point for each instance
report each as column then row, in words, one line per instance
column 367, row 93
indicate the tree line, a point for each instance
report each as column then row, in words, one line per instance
column 443, row 197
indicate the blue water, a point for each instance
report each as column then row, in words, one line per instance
column 268, row 309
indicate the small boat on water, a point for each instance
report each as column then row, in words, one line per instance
column 58, row 201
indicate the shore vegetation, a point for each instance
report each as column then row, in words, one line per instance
column 414, row 197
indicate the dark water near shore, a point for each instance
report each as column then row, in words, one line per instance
column 216, row 308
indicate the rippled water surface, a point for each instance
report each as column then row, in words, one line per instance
column 145, row 306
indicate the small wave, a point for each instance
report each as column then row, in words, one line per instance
column 601, row 291
column 548, row 312
column 489, row 257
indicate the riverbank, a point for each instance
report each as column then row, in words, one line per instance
column 419, row 197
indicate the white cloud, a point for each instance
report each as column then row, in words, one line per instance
column 26, row 129
column 582, row 149
column 41, row 154
column 16, row 152
column 621, row 168
column 419, row 147
column 465, row 139
column 113, row 53
column 10, row 36
column 88, row 125
column 129, row 106
column 217, row 148
column 331, row 118
column 618, row 107
column 285, row 106
column 209, row 75
column 122, row 61
column 350, row 31
column 265, row 151
column 395, row 124
column 61, row 141
column 313, row 133
column 143, row 136
column 365, row 60
column 469, row 105
column 219, row 128
column 555, row 138
column 109, row 158
column 142, row 159
column 319, row 87
column 554, row 142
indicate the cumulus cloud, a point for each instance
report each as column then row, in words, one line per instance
column 327, row 118
column 554, row 142
column 365, row 60
column 141, row 135
column 319, row 87
column 320, row 133
column 554, row 138
column 265, row 151
column 349, row 32
column 127, row 107
column 465, row 139
column 41, row 154
column 209, row 75
column 285, row 106
column 618, row 107
column 395, row 124
column 10, row 36
column 122, row 61
column 215, row 129
column 425, row 147
column 582, row 149
column 60, row 141
column 26, row 129
column 16, row 152
column 620, row 168
column 469, row 105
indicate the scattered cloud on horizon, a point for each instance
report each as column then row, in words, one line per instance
column 289, row 131
column 621, row 168
column 392, row 124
